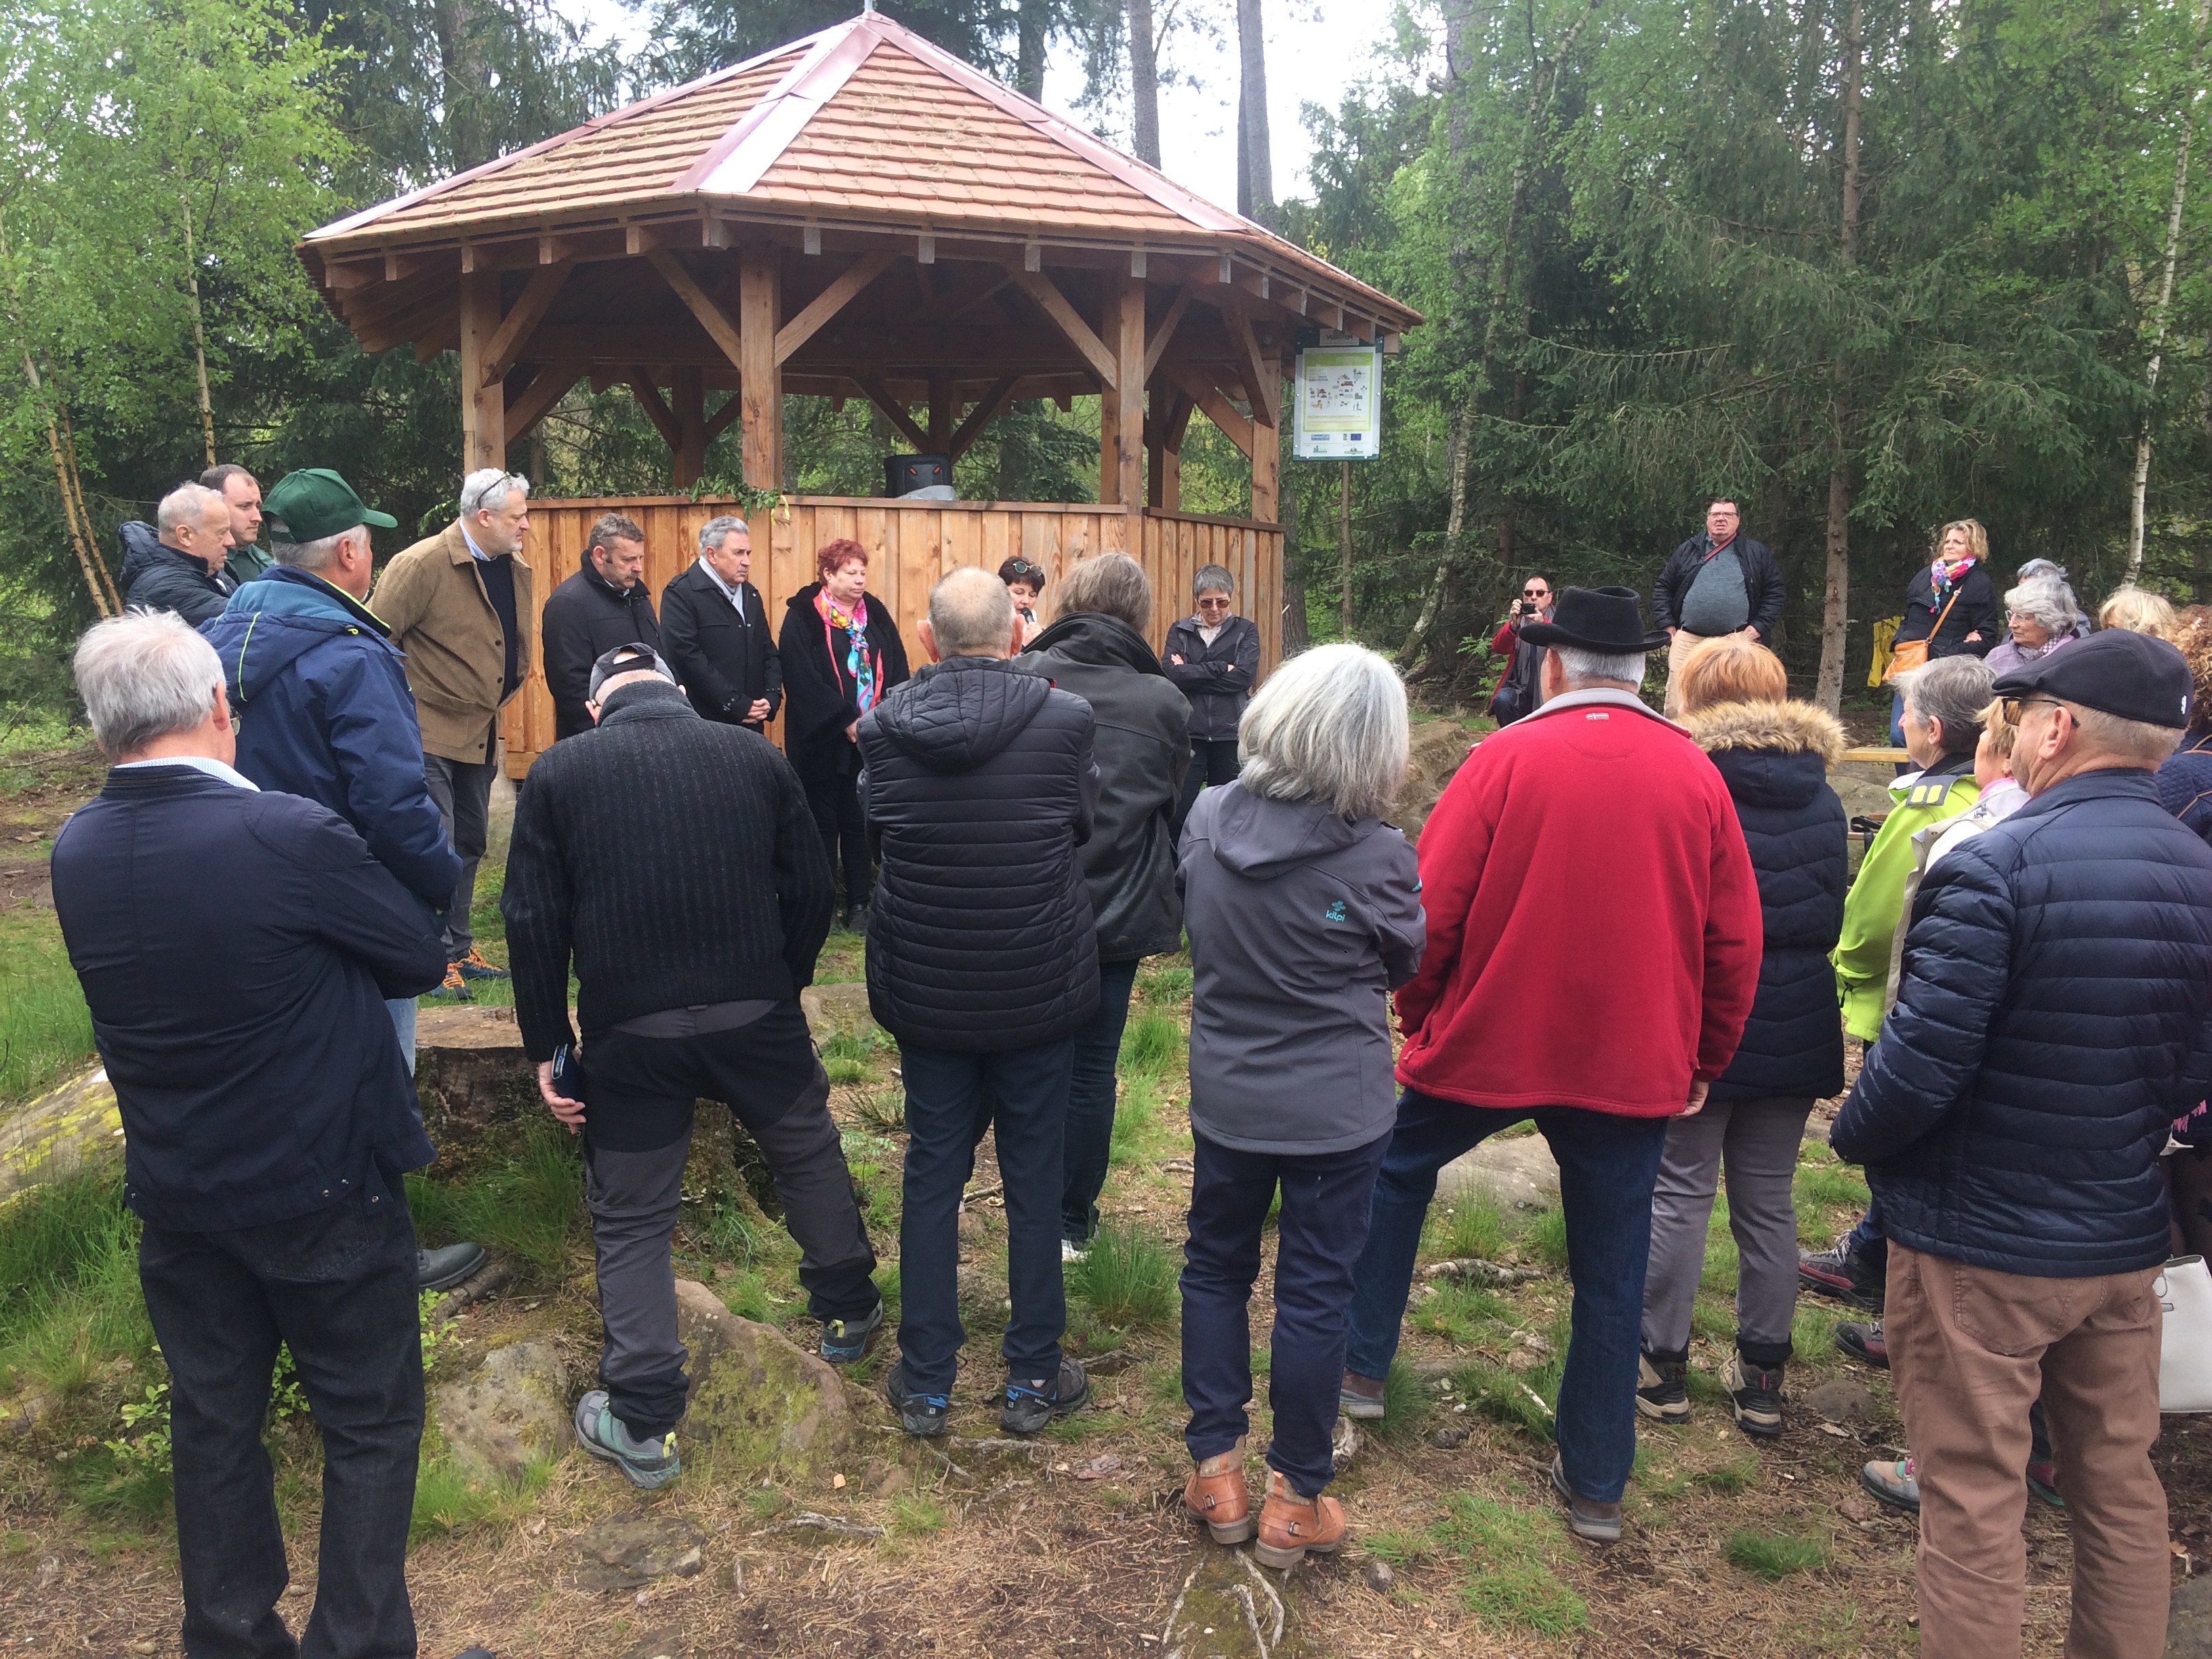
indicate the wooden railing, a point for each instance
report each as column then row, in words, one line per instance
column 910, row 544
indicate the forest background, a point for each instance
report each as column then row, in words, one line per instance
column 1866, row 266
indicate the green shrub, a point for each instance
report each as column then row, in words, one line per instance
column 915, row 1515
column 1126, row 1278
column 1772, row 1555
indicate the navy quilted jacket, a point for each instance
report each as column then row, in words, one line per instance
column 1774, row 758
column 2054, row 1015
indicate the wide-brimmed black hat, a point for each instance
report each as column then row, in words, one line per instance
column 1603, row 619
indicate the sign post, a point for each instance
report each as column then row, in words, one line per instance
column 1339, row 400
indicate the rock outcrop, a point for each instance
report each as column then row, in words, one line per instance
column 510, row 1412
column 759, row 1402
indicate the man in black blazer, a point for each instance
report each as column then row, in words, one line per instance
column 715, row 635
column 606, row 604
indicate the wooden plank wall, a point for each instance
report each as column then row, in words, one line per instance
column 909, row 546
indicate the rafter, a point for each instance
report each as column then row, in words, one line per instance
column 655, row 407
column 1054, row 305
column 1217, row 408
column 514, row 329
column 538, row 398
column 725, row 333
column 827, row 304
column 992, row 402
column 894, row 411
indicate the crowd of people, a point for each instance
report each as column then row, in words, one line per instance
column 1019, row 818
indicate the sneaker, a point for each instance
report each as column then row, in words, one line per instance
column 1662, row 1387
column 1361, row 1397
column 473, row 966
column 2042, row 1483
column 1897, row 1483
column 1843, row 1274
column 454, row 985
column 921, row 1414
column 844, row 1341
column 1031, row 1402
column 1216, row 1494
column 1863, row 1342
column 440, row 1270
column 1755, row 1392
column 1071, row 1252
column 1586, row 1516
column 648, row 1463
column 1291, row 1526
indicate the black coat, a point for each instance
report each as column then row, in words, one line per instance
column 2053, row 1017
column 159, row 577
column 236, row 948
column 1142, row 743
column 584, row 618
column 1217, row 678
column 1976, row 612
column 1774, row 758
column 1762, row 582
column 980, row 788
column 820, row 694
column 673, row 861
column 725, row 656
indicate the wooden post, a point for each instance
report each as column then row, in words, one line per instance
column 1121, row 422
column 1267, row 448
column 944, row 411
column 760, row 308
column 688, row 402
column 484, row 408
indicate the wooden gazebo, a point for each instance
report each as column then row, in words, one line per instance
column 856, row 215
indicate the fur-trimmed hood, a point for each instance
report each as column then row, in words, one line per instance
column 1792, row 728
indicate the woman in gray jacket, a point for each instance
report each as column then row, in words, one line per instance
column 1303, row 910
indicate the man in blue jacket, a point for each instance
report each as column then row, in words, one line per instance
column 323, row 711
column 235, row 947
column 2054, row 1015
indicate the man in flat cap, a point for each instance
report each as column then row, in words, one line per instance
column 2053, row 1016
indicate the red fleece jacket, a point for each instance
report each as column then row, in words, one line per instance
column 1594, row 921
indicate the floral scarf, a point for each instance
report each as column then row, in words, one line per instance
column 858, row 662
column 1944, row 577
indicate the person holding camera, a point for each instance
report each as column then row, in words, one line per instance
column 1516, row 695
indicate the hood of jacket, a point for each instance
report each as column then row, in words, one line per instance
column 1090, row 636
column 1264, row 839
column 144, row 548
column 954, row 715
column 1771, row 754
column 271, row 623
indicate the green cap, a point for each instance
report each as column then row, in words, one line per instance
column 317, row 503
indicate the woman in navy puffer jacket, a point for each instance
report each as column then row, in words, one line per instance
column 1774, row 755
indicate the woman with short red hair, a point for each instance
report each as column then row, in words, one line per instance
column 841, row 655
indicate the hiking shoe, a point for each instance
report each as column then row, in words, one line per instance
column 1361, row 1397
column 1586, row 1516
column 921, row 1414
column 1755, row 1392
column 1033, row 1401
column 844, row 1341
column 1662, row 1387
column 1863, row 1342
column 1216, row 1494
column 1842, row 1273
column 473, row 966
column 856, row 920
column 1897, row 1483
column 1291, row 1526
column 648, row 1463
column 2043, row 1482
column 455, row 984
column 1071, row 1252
column 440, row 1270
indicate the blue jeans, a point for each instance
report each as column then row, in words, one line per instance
column 1326, row 1207
column 1090, row 1144
column 1868, row 1241
column 1608, row 1166
column 402, row 1010
column 952, row 1097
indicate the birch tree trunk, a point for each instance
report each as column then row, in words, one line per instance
column 1143, row 82
column 1835, row 609
column 199, row 337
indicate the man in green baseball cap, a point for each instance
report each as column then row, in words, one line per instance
column 325, row 711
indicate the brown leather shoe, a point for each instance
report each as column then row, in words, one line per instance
column 1289, row 1525
column 1586, row 1516
column 1215, row 1494
column 1360, row 1397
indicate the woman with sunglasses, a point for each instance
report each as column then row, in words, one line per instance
column 1025, row 581
column 1214, row 656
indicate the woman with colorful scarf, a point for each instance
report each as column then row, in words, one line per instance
column 1952, row 604
column 842, row 653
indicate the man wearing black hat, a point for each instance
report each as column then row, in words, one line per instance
column 674, row 861
column 2053, row 1016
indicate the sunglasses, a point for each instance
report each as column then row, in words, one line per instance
column 2013, row 706
column 1535, row 593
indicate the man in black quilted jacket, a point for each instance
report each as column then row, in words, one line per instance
column 2053, row 1017
column 983, row 962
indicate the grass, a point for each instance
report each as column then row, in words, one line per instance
column 1462, row 1314
column 1153, row 1045
column 1509, row 1553
column 845, row 1056
column 884, row 1110
column 70, row 1300
column 1127, row 1279
column 45, row 1030
column 1546, row 1236
column 916, row 1514
column 1772, row 1555
column 1136, row 1121
column 1169, row 983
column 528, row 1208
column 1473, row 1223
column 447, row 1501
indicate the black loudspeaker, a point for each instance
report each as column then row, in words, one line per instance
column 904, row 474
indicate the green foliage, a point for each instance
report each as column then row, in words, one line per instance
column 1511, row 1552
column 846, row 1056
column 1126, row 1278
column 1153, row 1045
column 1546, row 1235
column 70, row 1300
column 1772, row 1555
column 1471, row 1224
column 45, row 1030
column 528, row 1207
column 916, row 1514
column 1136, row 1121
column 447, row 1501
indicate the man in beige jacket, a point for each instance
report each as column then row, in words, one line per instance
column 459, row 605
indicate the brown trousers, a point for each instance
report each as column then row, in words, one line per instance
column 1970, row 1348
column 1679, row 646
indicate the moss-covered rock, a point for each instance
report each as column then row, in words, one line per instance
column 510, row 1412
column 60, row 1132
column 758, row 1401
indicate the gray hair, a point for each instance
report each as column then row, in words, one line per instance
column 1330, row 725
column 490, row 486
column 1580, row 668
column 144, row 675
column 2049, row 601
column 715, row 532
column 1113, row 585
column 2137, row 742
column 971, row 613
column 310, row 556
column 1953, row 690
column 1213, row 578
column 189, row 503
column 2035, row 568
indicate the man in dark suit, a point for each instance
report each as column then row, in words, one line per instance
column 236, row 948
column 606, row 604
column 716, row 633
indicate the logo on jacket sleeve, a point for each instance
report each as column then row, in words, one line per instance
column 1334, row 913
column 1932, row 792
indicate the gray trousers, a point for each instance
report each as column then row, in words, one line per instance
column 462, row 790
column 1756, row 1142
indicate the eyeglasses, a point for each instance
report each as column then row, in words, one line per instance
column 1535, row 593
column 2013, row 706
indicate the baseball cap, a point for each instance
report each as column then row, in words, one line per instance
column 2131, row 676
column 316, row 502
column 627, row 659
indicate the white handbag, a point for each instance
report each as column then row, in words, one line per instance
column 2185, row 1359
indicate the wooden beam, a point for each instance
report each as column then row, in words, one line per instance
column 827, row 304
column 711, row 317
column 688, row 402
column 1260, row 388
column 1050, row 301
column 537, row 401
column 1158, row 343
column 398, row 267
column 1121, row 416
column 992, row 402
column 1266, row 441
column 537, row 297
column 358, row 273
column 760, row 308
column 727, row 416
column 483, row 403
column 1217, row 408
column 656, row 409
column 894, row 412
column 943, row 411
